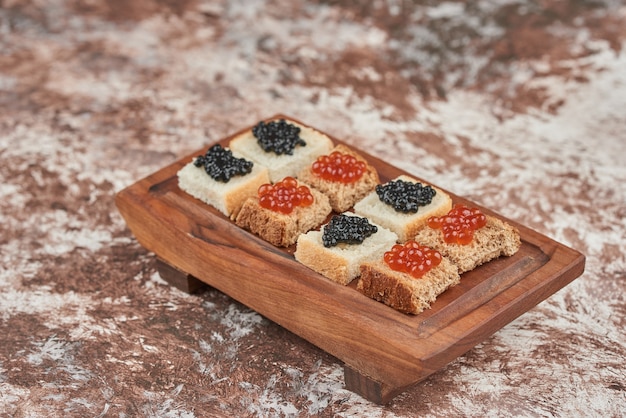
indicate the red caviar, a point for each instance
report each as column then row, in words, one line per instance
column 284, row 196
column 459, row 224
column 412, row 258
column 340, row 167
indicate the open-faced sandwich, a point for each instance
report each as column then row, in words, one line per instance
column 468, row 237
column 403, row 205
column 221, row 179
column 283, row 146
column 337, row 250
column 343, row 175
column 408, row 277
column 280, row 212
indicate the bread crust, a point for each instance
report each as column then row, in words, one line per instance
column 497, row 238
column 403, row 292
column 342, row 196
column 279, row 229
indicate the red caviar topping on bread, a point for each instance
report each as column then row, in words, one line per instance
column 284, row 196
column 339, row 167
column 412, row 258
column 459, row 224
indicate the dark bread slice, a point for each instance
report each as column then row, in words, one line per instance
column 497, row 238
column 342, row 196
column 279, row 229
column 403, row 292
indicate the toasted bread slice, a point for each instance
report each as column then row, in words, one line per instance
column 497, row 238
column 342, row 196
column 405, row 225
column 279, row 229
column 403, row 292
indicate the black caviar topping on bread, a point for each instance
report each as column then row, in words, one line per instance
column 347, row 229
column 405, row 196
column 220, row 164
column 278, row 137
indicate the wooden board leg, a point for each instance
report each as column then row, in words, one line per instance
column 367, row 387
column 179, row 279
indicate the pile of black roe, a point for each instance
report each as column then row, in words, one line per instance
column 279, row 136
column 405, row 196
column 221, row 165
column 347, row 229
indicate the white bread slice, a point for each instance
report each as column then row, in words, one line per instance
column 279, row 229
column 405, row 225
column 225, row 197
column 341, row 262
column 281, row 166
column 497, row 238
column 403, row 292
column 342, row 196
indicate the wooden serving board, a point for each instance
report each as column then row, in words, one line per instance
column 384, row 351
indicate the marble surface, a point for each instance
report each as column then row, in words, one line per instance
column 519, row 106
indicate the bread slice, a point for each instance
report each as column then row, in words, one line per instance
column 497, row 238
column 403, row 292
column 225, row 197
column 341, row 262
column 405, row 225
column 281, row 166
column 342, row 196
column 279, row 229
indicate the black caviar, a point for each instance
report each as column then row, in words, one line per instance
column 221, row 165
column 347, row 229
column 279, row 136
column 405, row 196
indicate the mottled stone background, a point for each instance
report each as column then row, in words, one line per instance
column 518, row 105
